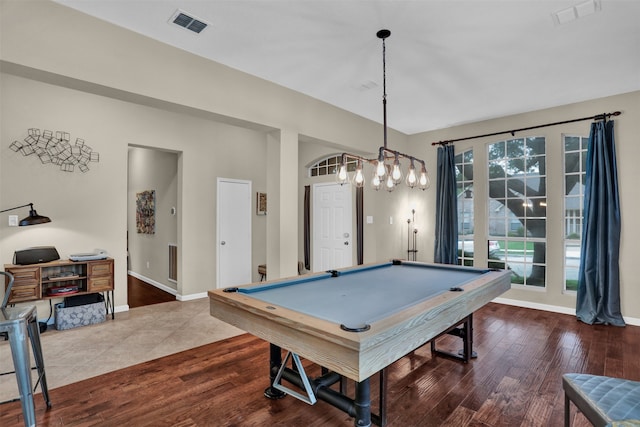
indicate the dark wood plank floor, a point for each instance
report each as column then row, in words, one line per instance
column 141, row 293
column 515, row 381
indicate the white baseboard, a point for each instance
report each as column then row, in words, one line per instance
column 553, row 308
column 154, row 283
column 121, row 308
column 167, row 289
column 191, row 296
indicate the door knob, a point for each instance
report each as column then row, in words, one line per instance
column 223, row 243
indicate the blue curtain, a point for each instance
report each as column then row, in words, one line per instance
column 599, row 277
column 446, row 244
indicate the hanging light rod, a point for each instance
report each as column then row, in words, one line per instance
column 387, row 165
column 32, row 219
column 603, row 116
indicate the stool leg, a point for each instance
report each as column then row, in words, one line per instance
column 34, row 335
column 567, row 411
column 21, row 362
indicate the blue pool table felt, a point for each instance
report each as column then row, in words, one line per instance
column 363, row 295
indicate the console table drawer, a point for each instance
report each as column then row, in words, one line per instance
column 100, row 284
column 100, row 269
column 25, row 293
column 25, row 275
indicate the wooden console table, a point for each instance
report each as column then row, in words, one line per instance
column 41, row 281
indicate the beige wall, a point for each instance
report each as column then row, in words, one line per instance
column 627, row 135
column 90, row 210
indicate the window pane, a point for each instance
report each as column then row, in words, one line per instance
column 496, row 151
column 497, row 227
column 468, row 172
column 572, row 162
column 496, row 170
column 515, row 148
column 535, row 146
column 536, row 227
column 571, row 143
column 585, row 143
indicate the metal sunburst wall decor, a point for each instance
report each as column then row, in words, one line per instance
column 57, row 150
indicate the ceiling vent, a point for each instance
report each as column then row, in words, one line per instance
column 187, row 21
column 576, row 11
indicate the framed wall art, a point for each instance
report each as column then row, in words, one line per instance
column 146, row 212
column 261, row 203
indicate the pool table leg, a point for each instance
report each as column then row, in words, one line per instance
column 275, row 360
column 362, row 404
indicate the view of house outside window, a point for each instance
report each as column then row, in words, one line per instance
column 575, row 160
column 517, row 208
column 464, row 191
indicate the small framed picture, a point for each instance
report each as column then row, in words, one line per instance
column 261, row 203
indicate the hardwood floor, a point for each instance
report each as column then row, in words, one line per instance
column 141, row 293
column 515, row 381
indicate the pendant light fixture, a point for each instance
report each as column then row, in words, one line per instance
column 387, row 172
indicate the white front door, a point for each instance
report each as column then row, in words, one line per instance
column 332, row 227
column 234, row 232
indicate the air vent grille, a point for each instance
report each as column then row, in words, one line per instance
column 189, row 22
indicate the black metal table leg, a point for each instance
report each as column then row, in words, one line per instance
column 362, row 404
column 275, row 360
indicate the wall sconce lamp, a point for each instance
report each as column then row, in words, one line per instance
column 386, row 175
column 33, row 217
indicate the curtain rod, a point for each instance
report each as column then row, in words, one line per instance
column 513, row 132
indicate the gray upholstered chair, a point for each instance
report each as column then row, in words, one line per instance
column 604, row 401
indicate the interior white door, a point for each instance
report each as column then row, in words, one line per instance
column 234, row 232
column 332, row 227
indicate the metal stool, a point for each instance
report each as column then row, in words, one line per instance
column 18, row 323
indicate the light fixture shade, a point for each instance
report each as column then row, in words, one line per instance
column 381, row 168
column 396, row 172
column 389, row 185
column 34, row 219
column 376, row 182
column 412, row 178
column 342, row 177
column 358, row 176
column 424, row 182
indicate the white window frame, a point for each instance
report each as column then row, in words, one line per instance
column 505, row 239
column 574, row 243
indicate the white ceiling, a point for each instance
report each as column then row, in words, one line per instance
column 448, row 62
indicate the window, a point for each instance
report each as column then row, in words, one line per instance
column 464, row 191
column 329, row 166
column 518, row 208
column 575, row 160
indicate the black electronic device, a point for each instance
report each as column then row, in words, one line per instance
column 83, row 300
column 35, row 255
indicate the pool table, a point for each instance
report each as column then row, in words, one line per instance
column 356, row 321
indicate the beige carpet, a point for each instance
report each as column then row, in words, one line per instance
column 136, row 336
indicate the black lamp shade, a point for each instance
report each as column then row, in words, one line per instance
column 34, row 219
